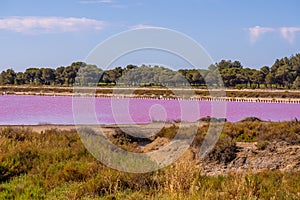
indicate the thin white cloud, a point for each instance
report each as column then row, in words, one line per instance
column 95, row 1
column 143, row 26
column 111, row 3
column 257, row 31
column 288, row 33
column 36, row 25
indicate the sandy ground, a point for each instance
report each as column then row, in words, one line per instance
column 196, row 97
column 141, row 128
column 65, row 91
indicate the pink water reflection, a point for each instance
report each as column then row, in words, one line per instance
column 22, row 110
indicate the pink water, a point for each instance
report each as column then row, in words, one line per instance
column 22, row 110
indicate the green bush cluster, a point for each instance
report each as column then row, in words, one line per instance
column 256, row 131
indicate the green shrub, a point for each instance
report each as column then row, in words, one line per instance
column 169, row 132
column 246, row 138
column 23, row 187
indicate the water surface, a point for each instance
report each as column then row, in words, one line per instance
column 31, row 110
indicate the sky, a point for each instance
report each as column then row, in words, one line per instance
column 52, row 33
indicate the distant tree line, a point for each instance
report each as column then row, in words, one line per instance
column 284, row 73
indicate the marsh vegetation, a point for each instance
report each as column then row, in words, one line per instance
column 54, row 164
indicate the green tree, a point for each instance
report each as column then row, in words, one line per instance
column 59, row 78
column 47, row 76
column 20, row 78
column 264, row 71
column 270, row 79
column 88, row 75
column 8, row 77
column 296, row 83
column 70, row 73
column 31, row 75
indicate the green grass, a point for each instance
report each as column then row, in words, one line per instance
column 54, row 164
column 288, row 131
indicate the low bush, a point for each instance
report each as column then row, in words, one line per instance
column 264, row 131
column 169, row 132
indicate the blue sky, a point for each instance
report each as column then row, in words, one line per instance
column 36, row 33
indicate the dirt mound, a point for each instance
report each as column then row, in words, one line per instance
column 251, row 119
column 212, row 119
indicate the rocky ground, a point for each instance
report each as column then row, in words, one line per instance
column 250, row 156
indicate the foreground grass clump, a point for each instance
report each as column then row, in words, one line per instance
column 257, row 131
column 54, row 164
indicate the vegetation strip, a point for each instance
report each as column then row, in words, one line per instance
column 54, row 164
column 283, row 74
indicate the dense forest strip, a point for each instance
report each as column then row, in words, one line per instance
column 283, row 74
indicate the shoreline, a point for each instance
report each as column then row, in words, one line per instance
column 70, row 89
column 105, row 127
column 160, row 97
